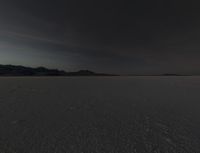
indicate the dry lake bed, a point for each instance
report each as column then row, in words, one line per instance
column 100, row 115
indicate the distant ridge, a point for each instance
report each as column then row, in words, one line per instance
column 171, row 74
column 13, row 70
column 87, row 73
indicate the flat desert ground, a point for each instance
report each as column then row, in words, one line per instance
column 100, row 114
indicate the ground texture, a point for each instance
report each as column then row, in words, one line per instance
column 100, row 115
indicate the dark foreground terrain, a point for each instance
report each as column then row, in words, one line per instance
column 100, row 115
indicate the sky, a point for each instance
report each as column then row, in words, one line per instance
column 112, row 36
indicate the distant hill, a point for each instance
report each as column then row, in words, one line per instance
column 87, row 73
column 171, row 74
column 12, row 70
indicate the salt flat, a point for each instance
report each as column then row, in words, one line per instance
column 100, row 115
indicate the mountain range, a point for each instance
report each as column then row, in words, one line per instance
column 13, row 70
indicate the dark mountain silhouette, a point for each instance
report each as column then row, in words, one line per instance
column 172, row 74
column 87, row 73
column 12, row 70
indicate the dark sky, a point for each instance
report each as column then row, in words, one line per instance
column 138, row 37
